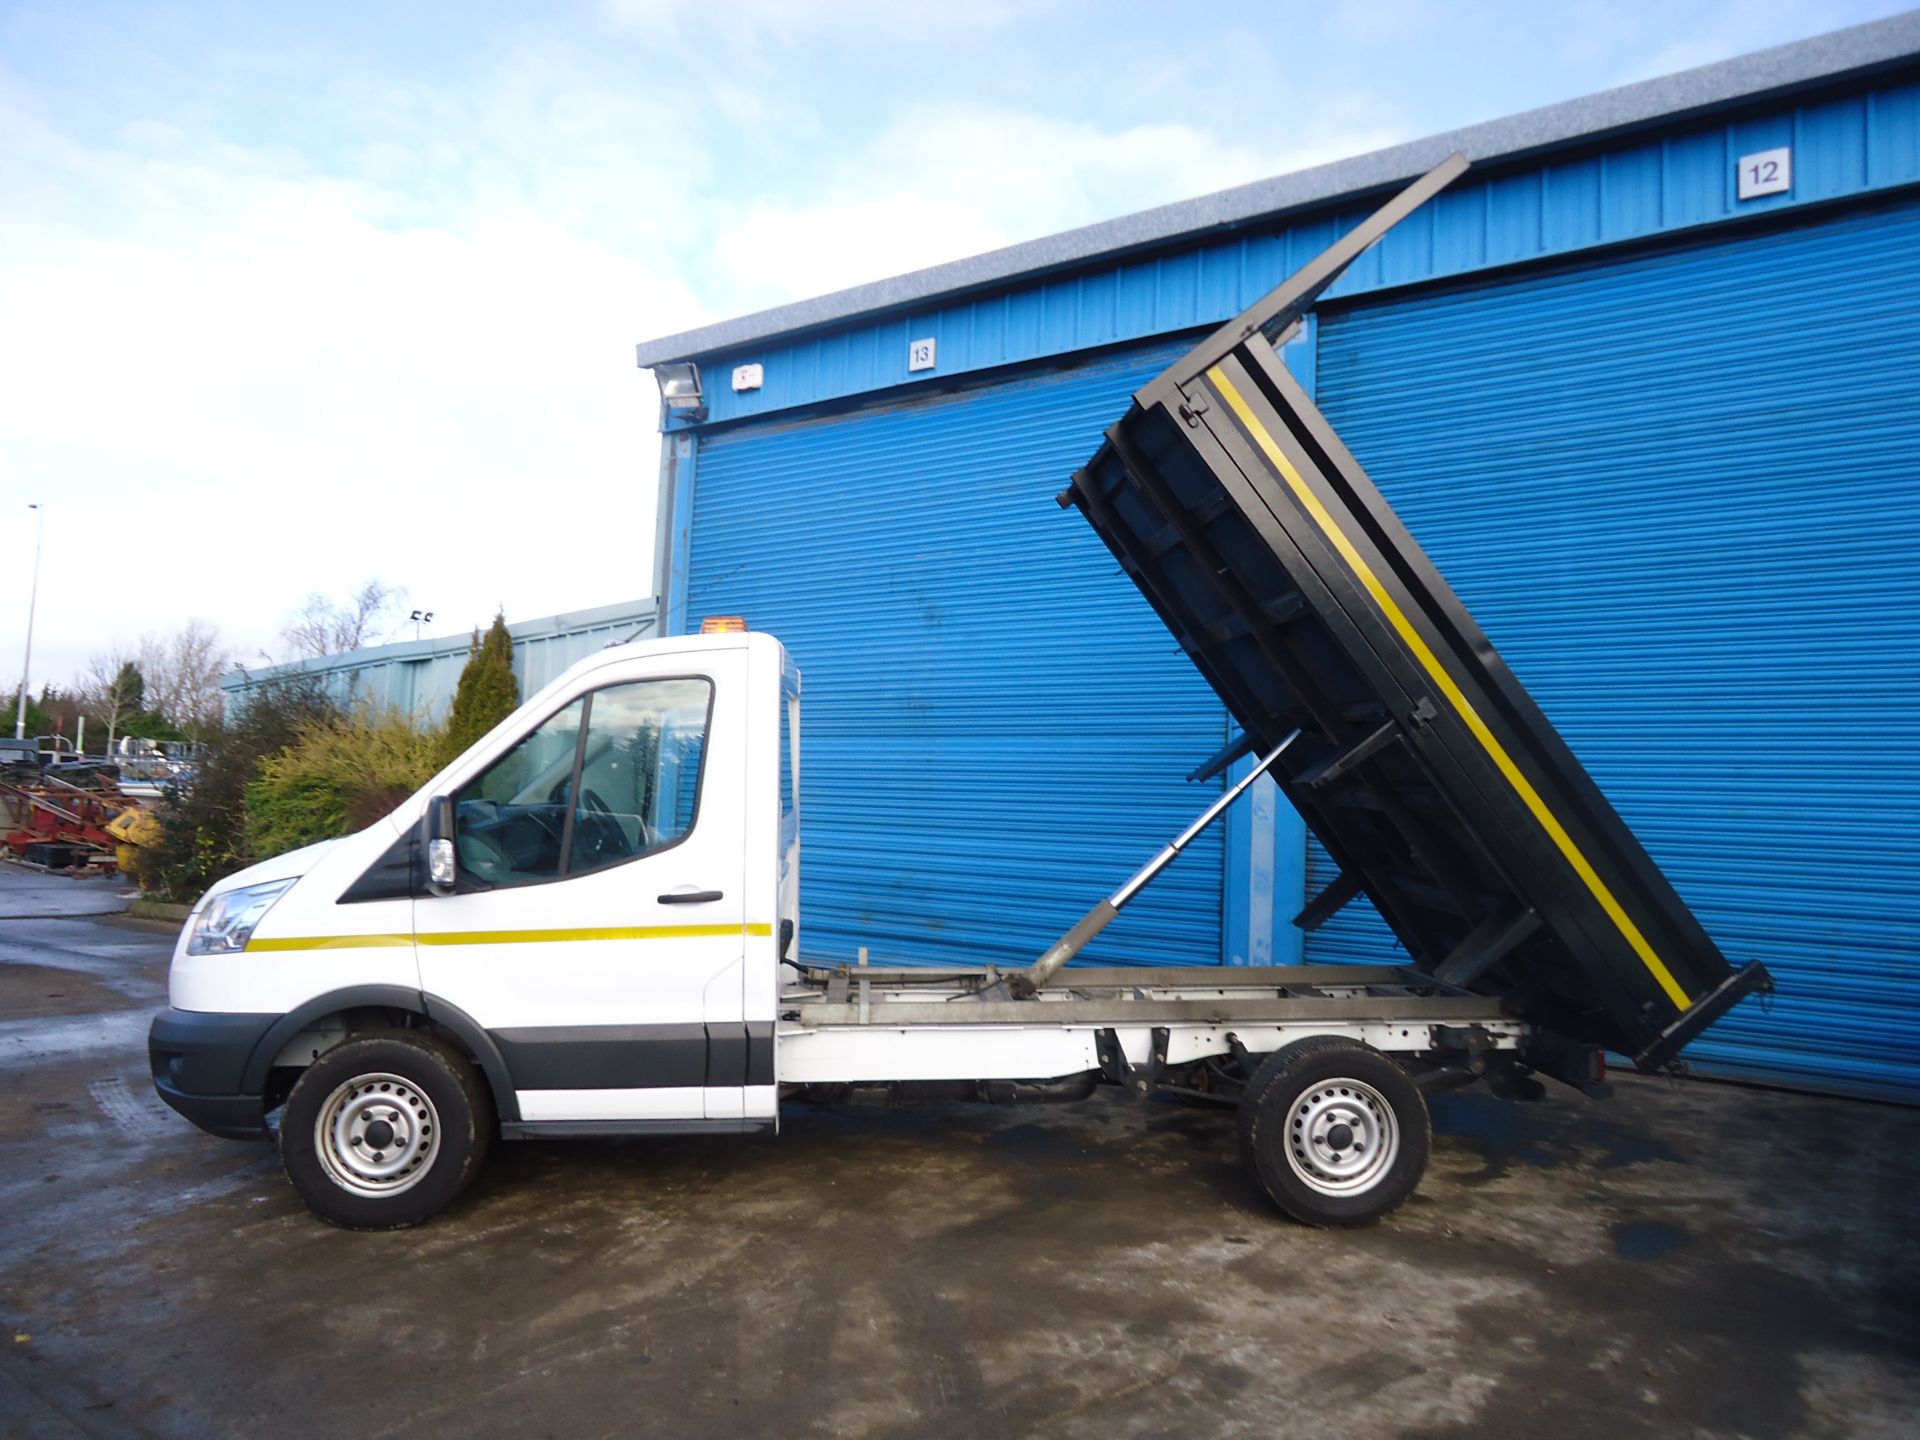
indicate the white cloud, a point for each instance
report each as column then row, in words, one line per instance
column 923, row 22
column 237, row 375
column 1641, row 42
column 234, row 382
column 1375, row 23
column 942, row 183
column 398, row 342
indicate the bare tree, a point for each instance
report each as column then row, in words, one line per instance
column 111, row 689
column 322, row 627
column 182, row 673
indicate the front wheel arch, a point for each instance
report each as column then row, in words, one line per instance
column 459, row 1027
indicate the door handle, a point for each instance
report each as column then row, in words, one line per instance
column 690, row 897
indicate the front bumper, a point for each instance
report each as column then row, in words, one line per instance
column 199, row 1063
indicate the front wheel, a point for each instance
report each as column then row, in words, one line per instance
column 1335, row 1132
column 384, row 1131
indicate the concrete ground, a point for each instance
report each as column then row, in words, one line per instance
column 1687, row 1259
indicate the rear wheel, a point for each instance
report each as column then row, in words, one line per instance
column 1335, row 1132
column 384, row 1131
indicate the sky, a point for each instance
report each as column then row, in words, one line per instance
column 297, row 296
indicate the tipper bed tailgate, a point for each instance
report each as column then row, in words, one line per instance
column 1425, row 768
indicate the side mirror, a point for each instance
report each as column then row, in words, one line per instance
column 443, row 868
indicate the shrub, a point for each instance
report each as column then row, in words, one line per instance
column 340, row 774
column 204, row 821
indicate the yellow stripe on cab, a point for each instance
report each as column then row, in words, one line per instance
column 511, row 937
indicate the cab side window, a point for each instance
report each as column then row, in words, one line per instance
column 510, row 823
column 614, row 776
column 640, row 771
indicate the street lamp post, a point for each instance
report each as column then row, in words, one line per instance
column 33, row 599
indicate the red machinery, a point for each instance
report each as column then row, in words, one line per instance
column 66, row 833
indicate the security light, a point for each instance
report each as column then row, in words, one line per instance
column 680, row 388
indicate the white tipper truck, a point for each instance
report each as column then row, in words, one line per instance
column 589, row 924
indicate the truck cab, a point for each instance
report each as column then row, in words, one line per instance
column 586, row 910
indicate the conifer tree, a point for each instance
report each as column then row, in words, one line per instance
column 487, row 692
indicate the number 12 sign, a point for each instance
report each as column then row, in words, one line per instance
column 1766, row 172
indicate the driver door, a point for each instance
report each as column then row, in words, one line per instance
column 597, row 929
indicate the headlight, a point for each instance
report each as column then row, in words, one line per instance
column 226, row 921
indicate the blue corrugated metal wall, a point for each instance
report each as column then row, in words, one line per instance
column 1682, row 494
column 995, row 726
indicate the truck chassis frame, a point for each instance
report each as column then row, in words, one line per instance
column 1137, row 1027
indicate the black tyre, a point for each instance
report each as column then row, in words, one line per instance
column 385, row 1130
column 1335, row 1132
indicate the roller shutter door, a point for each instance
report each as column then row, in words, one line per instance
column 1682, row 494
column 996, row 730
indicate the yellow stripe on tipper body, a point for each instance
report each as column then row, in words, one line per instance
column 513, row 937
column 1430, row 662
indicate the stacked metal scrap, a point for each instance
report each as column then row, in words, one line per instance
column 77, row 822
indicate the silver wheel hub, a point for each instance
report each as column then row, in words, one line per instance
column 377, row 1135
column 1342, row 1137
